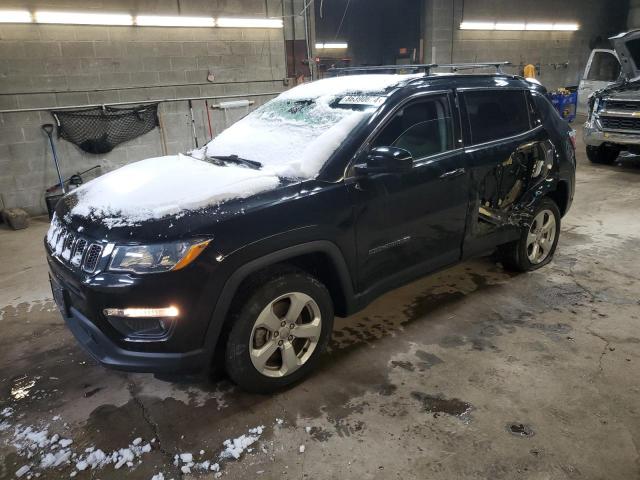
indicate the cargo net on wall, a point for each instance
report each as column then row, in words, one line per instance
column 100, row 129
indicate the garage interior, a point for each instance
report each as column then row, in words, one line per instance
column 473, row 372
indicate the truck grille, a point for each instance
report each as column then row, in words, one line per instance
column 620, row 123
column 622, row 105
column 72, row 249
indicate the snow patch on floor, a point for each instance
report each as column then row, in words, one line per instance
column 44, row 451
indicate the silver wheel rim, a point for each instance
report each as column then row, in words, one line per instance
column 285, row 334
column 541, row 236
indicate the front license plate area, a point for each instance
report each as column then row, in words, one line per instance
column 59, row 296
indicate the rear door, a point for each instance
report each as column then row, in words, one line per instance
column 504, row 142
column 603, row 68
column 413, row 221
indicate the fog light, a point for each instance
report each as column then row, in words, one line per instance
column 142, row 312
column 142, row 324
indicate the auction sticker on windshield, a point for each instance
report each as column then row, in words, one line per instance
column 362, row 100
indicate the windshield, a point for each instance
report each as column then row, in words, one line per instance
column 294, row 134
column 293, row 137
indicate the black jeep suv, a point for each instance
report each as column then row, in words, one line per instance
column 241, row 253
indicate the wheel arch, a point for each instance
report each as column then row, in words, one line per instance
column 322, row 259
column 561, row 196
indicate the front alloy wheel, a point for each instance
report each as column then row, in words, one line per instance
column 285, row 335
column 279, row 326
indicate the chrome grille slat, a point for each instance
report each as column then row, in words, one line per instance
column 73, row 250
column 78, row 252
column 623, row 105
column 92, row 257
column 620, row 123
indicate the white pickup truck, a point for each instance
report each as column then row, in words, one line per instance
column 613, row 110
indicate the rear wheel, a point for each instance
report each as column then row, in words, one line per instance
column 602, row 154
column 537, row 242
column 279, row 332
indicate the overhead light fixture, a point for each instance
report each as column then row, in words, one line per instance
column 539, row 26
column 76, row 18
column 334, row 45
column 509, row 26
column 174, row 21
column 15, row 16
column 249, row 22
column 566, row 27
column 477, row 26
column 516, row 26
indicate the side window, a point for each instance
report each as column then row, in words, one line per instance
column 535, row 118
column 422, row 127
column 496, row 114
column 604, row 67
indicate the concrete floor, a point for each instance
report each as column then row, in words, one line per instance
column 425, row 383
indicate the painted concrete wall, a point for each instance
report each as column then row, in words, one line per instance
column 597, row 18
column 45, row 66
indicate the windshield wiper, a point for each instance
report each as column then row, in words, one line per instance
column 221, row 159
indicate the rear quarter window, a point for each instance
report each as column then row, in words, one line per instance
column 496, row 114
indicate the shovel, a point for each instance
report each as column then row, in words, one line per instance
column 48, row 129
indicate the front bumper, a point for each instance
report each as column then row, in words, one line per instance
column 101, row 348
column 81, row 302
column 593, row 136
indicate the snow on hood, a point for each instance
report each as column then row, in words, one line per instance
column 157, row 187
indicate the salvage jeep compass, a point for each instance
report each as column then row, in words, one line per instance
column 241, row 253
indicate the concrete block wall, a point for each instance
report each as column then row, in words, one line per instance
column 48, row 66
column 597, row 18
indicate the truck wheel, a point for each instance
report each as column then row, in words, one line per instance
column 602, row 154
column 280, row 328
column 538, row 240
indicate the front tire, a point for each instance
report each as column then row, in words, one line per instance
column 602, row 154
column 538, row 240
column 280, row 328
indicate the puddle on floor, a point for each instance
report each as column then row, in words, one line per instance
column 520, row 430
column 437, row 404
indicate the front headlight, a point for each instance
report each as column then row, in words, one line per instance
column 160, row 257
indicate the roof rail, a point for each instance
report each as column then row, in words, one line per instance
column 469, row 66
column 425, row 67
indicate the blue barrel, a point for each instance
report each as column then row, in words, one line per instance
column 565, row 103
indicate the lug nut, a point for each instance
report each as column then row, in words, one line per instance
column 290, row 338
column 280, row 343
column 292, row 326
column 275, row 334
column 282, row 324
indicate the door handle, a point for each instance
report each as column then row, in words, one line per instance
column 453, row 173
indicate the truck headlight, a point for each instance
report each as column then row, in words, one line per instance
column 155, row 258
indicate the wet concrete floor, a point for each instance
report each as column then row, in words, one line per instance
column 470, row 373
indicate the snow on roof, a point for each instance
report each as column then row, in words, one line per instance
column 371, row 83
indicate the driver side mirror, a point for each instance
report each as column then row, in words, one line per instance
column 386, row 160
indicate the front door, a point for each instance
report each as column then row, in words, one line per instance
column 411, row 222
column 602, row 69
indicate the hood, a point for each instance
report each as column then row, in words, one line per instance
column 627, row 46
column 164, row 186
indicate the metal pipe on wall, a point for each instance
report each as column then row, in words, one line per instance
column 141, row 102
column 112, row 89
